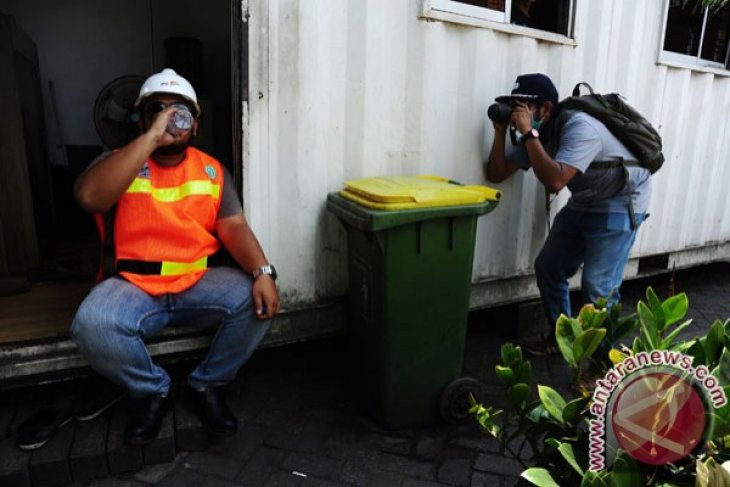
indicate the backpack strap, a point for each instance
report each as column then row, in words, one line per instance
column 598, row 165
column 630, row 191
column 576, row 88
column 550, row 134
column 612, row 164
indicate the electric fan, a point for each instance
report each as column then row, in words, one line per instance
column 114, row 115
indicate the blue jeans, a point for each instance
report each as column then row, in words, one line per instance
column 599, row 241
column 116, row 316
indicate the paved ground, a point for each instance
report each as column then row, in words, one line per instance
column 300, row 423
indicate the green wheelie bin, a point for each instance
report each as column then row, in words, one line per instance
column 411, row 248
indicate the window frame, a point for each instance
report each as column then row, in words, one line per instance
column 696, row 63
column 473, row 11
column 456, row 12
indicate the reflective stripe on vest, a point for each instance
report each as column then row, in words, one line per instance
column 165, row 268
column 170, row 195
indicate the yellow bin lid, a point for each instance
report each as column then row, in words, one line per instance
column 412, row 192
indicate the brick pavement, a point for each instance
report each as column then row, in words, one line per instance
column 301, row 426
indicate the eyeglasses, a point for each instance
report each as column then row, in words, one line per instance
column 154, row 107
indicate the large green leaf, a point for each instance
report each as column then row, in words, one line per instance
column 656, row 309
column 669, row 339
column 721, row 416
column 539, row 477
column 614, row 312
column 566, row 450
column 625, row 473
column 592, row 317
column 505, row 374
column 684, row 347
column 564, row 327
column 552, row 401
column 586, row 343
column 620, row 327
column 553, row 442
column 649, row 330
column 573, row 409
column 518, row 393
column 510, row 354
column 697, row 352
column 617, row 356
column 652, row 298
column 524, row 372
column 724, row 367
column 675, row 308
column 564, row 337
column 714, row 342
column 505, row 352
column 575, row 326
column 538, row 413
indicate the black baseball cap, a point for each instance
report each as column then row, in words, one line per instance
column 532, row 87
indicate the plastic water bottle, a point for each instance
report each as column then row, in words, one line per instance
column 180, row 122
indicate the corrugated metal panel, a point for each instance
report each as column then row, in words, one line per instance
column 346, row 89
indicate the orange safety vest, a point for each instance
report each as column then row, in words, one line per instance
column 164, row 225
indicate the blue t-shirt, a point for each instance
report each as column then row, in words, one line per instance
column 584, row 140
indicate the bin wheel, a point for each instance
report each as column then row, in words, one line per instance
column 454, row 405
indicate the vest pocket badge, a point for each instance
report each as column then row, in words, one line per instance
column 210, row 171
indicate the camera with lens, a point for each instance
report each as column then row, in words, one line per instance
column 501, row 111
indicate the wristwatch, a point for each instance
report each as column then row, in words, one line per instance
column 268, row 270
column 531, row 134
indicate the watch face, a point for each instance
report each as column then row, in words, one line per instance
column 534, row 133
column 269, row 270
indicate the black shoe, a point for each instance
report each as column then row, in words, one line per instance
column 210, row 407
column 145, row 419
column 35, row 431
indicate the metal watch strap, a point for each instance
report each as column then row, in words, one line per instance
column 268, row 270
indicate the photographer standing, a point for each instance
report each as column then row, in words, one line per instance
column 595, row 228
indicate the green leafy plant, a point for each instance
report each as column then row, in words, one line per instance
column 710, row 474
column 555, row 427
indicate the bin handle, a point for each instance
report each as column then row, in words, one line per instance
column 441, row 179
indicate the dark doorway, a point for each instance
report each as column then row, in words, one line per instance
column 58, row 241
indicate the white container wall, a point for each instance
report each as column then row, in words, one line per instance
column 342, row 89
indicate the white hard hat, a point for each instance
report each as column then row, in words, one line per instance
column 168, row 81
